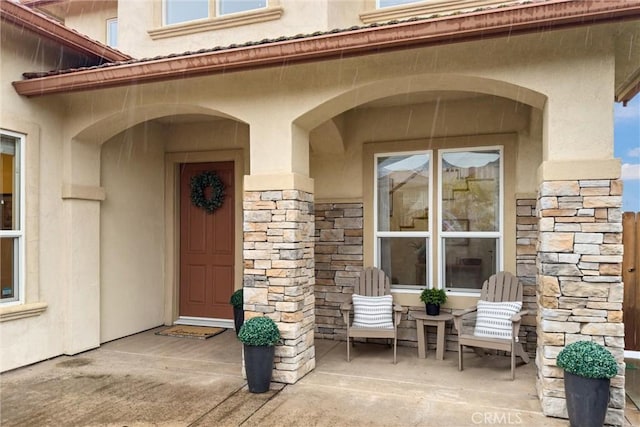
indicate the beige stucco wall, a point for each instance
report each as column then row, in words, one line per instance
column 30, row 339
column 277, row 107
column 131, row 232
column 90, row 17
column 297, row 18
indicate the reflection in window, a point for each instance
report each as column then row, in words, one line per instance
column 402, row 219
column 470, row 190
column 389, row 3
column 234, row 6
column 176, row 11
column 468, row 262
column 10, row 221
column 112, row 32
column 471, row 230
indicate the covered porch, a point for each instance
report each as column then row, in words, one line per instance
column 149, row 379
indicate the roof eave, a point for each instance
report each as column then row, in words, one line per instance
column 24, row 17
column 501, row 22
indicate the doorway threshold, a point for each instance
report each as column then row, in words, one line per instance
column 629, row 354
column 204, row 321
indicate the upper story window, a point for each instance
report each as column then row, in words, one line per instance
column 112, row 32
column 390, row 3
column 180, row 11
column 11, row 217
column 386, row 10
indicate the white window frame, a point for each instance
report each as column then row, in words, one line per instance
column 18, row 234
column 213, row 11
column 428, row 235
column 397, row 5
column 499, row 235
column 109, row 22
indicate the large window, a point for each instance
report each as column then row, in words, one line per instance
column 468, row 228
column 179, row 11
column 470, row 194
column 11, row 217
column 403, row 194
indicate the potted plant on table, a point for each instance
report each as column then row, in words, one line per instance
column 237, row 301
column 259, row 336
column 588, row 369
column 433, row 299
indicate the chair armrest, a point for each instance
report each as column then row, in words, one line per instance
column 398, row 307
column 464, row 312
column 458, row 316
column 346, row 306
column 518, row 316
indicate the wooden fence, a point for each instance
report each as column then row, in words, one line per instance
column 631, row 279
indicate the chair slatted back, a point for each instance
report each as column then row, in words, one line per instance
column 373, row 282
column 502, row 286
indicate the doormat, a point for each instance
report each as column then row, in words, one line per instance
column 184, row 331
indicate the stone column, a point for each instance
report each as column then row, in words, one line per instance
column 579, row 282
column 278, row 256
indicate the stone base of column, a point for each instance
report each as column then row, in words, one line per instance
column 579, row 282
column 278, row 252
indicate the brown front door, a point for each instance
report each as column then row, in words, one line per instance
column 206, row 246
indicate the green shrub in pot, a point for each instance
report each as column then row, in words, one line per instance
column 237, row 299
column 432, row 299
column 259, row 331
column 259, row 336
column 587, row 359
column 588, row 369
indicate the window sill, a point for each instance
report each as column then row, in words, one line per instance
column 423, row 9
column 235, row 20
column 22, row 311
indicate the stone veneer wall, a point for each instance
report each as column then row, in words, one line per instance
column 338, row 259
column 579, row 284
column 526, row 238
column 278, row 251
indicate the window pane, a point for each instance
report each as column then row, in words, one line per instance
column 235, row 6
column 404, row 259
column 468, row 262
column 403, row 192
column 185, row 10
column 389, row 3
column 112, row 32
column 9, row 196
column 8, row 269
column 471, row 190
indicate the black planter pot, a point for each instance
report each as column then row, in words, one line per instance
column 258, row 363
column 238, row 318
column 587, row 400
column 433, row 309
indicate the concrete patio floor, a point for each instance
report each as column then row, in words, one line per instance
column 146, row 379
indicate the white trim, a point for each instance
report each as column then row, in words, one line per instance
column 498, row 235
column 110, row 32
column 19, row 234
column 630, row 354
column 416, row 234
column 204, row 321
